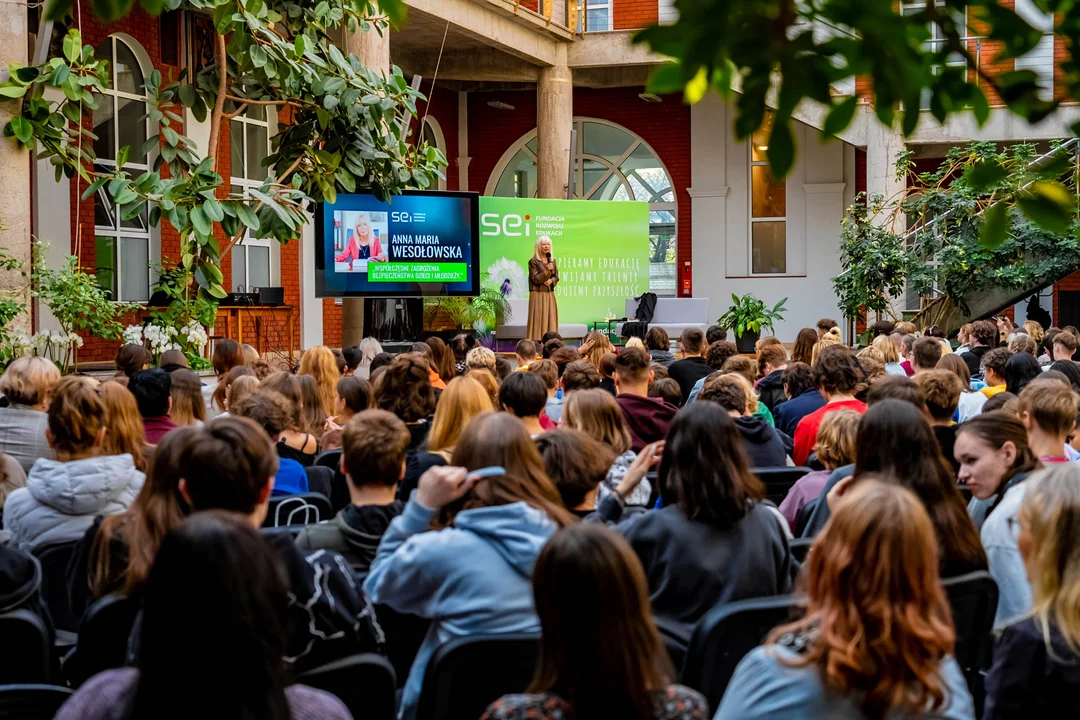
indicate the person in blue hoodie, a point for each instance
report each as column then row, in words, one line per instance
column 498, row 522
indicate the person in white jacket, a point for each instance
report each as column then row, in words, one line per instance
column 63, row 496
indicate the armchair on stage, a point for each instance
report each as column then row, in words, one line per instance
column 673, row 315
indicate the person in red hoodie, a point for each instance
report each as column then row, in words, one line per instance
column 837, row 375
column 647, row 418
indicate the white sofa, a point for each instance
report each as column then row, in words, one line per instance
column 517, row 324
column 673, row 315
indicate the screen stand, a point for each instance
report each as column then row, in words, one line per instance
column 394, row 319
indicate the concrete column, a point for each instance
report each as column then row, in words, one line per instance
column 882, row 148
column 463, row 158
column 554, row 123
column 374, row 51
column 15, row 208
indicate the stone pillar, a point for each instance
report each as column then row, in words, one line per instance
column 15, row 207
column 463, row 158
column 554, row 123
column 374, row 52
column 883, row 144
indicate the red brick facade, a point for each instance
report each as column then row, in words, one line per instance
column 633, row 14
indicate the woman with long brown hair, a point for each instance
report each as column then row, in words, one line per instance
column 600, row 653
column 319, row 363
column 877, row 637
column 804, row 346
column 498, row 522
column 186, row 394
column 117, row 552
column 313, row 411
column 295, row 443
column 597, row 345
column 714, row 541
column 227, row 355
column 125, row 433
column 405, row 389
column 595, row 413
column 994, row 455
column 442, row 359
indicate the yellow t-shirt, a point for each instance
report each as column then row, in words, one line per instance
column 990, row 392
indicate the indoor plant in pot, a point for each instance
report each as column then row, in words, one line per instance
column 747, row 316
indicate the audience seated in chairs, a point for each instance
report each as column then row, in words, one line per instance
column 837, row 376
column 215, row 614
column 373, row 461
column 765, row 445
column 125, row 434
column 994, row 455
column 600, row 653
column 498, row 522
column 63, row 496
column 713, row 541
column 405, row 390
column 270, row 410
column 835, row 449
column 295, row 443
column 353, row 396
column 153, row 394
column 230, row 465
column 647, row 418
column 880, row 646
column 1036, row 668
column 27, row 385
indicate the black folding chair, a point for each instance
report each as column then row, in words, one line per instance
column 103, row 637
column 465, row 675
column 365, row 683
column 320, row 481
column 726, row 634
column 31, row 702
column 973, row 599
column 303, row 509
column 27, row 655
column 339, row 490
column 54, row 559
column 800, row 548
column 778, row 480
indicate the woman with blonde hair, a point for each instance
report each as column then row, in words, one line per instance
column 1035, row 330
column 240, row 388
column 463, row 399
column 249, row 354
column 746, row 369
column 885, row 345
column 186, row 394
column 313, row 411
column 480, row 357
column 125, row 426
column 1037, row 660
column 26, row 385
column 595, row 413
column 369, row 348
column 362, row 243
column 543, row 277
column 880, row 647
column 832, row 337
column 488, row 381
column 835, row 448
column 319, row 363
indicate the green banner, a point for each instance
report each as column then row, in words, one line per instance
column 417, row 272
column 601, row 249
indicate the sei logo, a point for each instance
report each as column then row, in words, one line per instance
column 510, row 225
column 401, row 216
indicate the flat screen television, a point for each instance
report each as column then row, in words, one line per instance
column 421, row 243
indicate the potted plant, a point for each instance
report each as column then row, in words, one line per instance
column 487, row 310
column 746, row 316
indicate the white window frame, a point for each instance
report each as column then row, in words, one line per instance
column 913, row 6
column 608, row 5
column 246, row 184
column 751, row 164
column 117, row 231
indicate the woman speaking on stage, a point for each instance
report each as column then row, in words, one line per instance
column 543, row 277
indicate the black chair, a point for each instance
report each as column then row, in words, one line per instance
column 778, row 480
column 365, row 683
column 404, row 635
column 303, row 509
column 27, row 655
column 103, row 637
column 805, row 514
column 800, row 548
column 726, row 634
column 465, row 675
column 320, row 480
column 31, row 702
column 973, row 599
column 674, row 643
column 54, row 559
column 339, row 491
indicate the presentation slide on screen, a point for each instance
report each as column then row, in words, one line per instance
column 417, row 244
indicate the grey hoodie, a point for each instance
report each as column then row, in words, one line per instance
column 61, row 499
column 471, row 579
column 663, row 357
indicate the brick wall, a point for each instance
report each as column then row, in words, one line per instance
column 664, row 126
column 633, row 14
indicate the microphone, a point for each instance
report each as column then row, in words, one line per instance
column 549, row 257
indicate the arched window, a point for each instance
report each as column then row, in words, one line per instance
column 123, row 250
column 610, row 163
column 432, row 135
column 249, row 138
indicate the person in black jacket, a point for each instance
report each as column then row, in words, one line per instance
column 1036, row 668
column 772, row 361
column 230, row 465
column 374, row 447
column 765, row 446
column 693, row 366
column 714, row 541
column 985, row 335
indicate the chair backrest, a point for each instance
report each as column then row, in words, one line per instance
column 329, row 459
column 800, row 548
column 778, row 480
column 973, row 599
column 31, row 702
column 465, row 675
column 365, row 683
column 103, row 637
column 27, row 655
column 726, row 634
column 303, row 509
column 339, row 490
column 320, row 480
column 54, row 559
